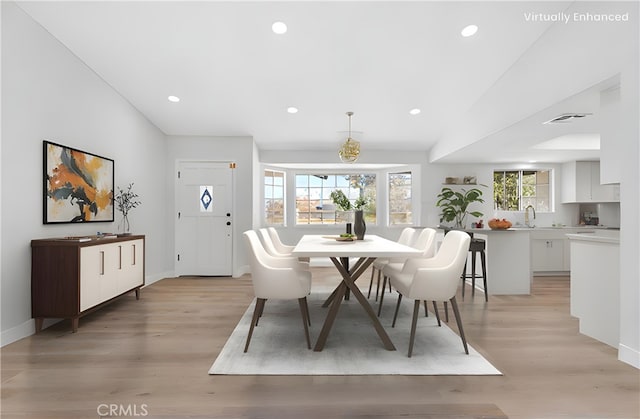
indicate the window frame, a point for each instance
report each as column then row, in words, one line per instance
column 521, row 199
column 264, row 185
column 382, row 190
column 388, row 198
column 331, row 172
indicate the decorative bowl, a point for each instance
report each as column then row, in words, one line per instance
column 496, row 224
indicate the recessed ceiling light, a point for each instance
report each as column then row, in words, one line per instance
column 469, row 31
column 174, row 99
column 414, row 111
column 292, row 109
column 279, row 28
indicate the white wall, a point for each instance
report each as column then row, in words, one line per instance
column 232, row 149
column 47, row 93
column 629, row 158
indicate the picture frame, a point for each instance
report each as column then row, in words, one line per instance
column 78, row 186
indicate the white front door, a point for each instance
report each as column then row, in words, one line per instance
column 204, row 239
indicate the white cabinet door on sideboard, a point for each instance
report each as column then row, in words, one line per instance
column 131, row 263
column 108, row 270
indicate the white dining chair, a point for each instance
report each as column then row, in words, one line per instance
column 276, row 278
column 434, row 279
column 277, row 242
column 269, row 245
column 280, row 246
column 407, row 237
column 425, row 242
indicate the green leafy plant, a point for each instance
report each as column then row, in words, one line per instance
column 340, row 200
column 454, row 205
column 343, row 203
column 361, row 203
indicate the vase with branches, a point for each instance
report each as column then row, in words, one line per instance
column 358, row 206
column 125, row 201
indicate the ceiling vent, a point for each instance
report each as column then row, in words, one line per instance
column 566, row 118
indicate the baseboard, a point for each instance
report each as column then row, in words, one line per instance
column 629, row 355
column 24, row 330
column 150, row 279
column 242, row 270
column 551, row 273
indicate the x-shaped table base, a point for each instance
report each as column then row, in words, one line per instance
column 349, row 278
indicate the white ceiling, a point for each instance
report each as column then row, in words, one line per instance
column 378, row 59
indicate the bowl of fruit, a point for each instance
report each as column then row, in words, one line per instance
column 344, row 237
column 499, row 224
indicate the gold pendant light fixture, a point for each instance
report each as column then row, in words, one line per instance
column 350, row 150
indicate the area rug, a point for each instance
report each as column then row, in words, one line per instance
column 278, row 345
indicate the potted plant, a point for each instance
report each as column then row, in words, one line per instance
column 343, row 203
column 454, row 205
column 125, row 201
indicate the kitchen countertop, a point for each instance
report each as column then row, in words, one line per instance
column 600, row 236
column 487, row 230
column 522, row 228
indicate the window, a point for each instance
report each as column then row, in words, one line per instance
column 400, row 204
column 314, row 204
column 515, row 190
column 274, row 197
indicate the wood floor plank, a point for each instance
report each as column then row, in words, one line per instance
column 156, row 352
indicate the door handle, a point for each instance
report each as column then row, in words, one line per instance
column 228, row 223
column 228, row 214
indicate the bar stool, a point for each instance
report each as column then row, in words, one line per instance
column 477, row 246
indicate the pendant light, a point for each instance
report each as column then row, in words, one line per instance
column 350, row 150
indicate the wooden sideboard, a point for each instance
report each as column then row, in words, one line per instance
column 71, row 278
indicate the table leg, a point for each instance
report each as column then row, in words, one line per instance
column 351, row 272
column 331, row 316
column 345, row 263
column 349, row 279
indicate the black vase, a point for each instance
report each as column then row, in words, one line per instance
column 359, row 226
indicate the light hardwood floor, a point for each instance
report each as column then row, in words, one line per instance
column 152, row 356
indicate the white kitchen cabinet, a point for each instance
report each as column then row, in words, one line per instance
column 599, row 192
column 551, row 251
column 547, row 255
column 595, row 284
column 71, row 278
column 581, row 183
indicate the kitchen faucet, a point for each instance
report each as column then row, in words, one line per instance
column 527, row 222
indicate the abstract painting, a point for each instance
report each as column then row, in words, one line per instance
column 78, row 186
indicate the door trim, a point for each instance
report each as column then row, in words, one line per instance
column 234, row 232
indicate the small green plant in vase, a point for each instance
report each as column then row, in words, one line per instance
column 454, row 205
column 340, row 200
column 125, row 201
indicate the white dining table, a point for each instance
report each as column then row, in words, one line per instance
column 339, row 252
